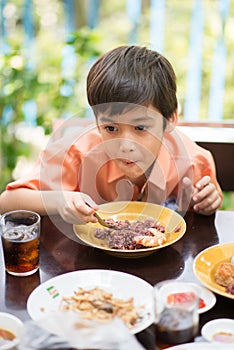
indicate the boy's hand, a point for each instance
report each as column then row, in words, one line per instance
column 205, row 196
column 76, row 207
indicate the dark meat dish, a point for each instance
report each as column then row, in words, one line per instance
column 132, row 235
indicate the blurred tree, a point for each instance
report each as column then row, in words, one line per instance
column 45, row 80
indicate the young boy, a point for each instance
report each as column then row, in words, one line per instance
column 134, row 152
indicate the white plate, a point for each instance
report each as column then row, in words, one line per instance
column 46, row 298
column 201, row 346
column 220, row 325
column 208, row 297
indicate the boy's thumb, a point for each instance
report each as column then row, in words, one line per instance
column 186, row 182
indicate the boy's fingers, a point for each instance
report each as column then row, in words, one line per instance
column 93, row 208
column 88, row 200
column 203, row 182
column 186, row 182
column 185, row 194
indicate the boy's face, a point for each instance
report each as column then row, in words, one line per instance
column 132, row 139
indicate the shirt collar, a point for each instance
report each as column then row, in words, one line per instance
column 114, row 173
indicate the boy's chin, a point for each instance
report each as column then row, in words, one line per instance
column 133, row 174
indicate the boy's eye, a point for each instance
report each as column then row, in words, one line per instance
column 110, row 128
column 141, row 127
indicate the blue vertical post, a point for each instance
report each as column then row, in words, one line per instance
column 217, row 82
column 69, row 59
column 7, row 111
column 93, row 19
column 68, row 64
column 28, row 22
column 133, row 8
column 69, row 15
column 157, row 24
column 194, row 74
column 29, row 107
column 93, row 13
column 4, row 47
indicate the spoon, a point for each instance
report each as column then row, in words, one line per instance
column 102, row 221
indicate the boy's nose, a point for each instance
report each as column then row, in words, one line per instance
column 127, row 146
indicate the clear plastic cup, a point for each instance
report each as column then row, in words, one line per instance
column 176, row 312
column 20, row 233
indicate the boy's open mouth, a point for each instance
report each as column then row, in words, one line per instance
column 127, row 162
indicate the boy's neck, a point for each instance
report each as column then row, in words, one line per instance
column 141, row 181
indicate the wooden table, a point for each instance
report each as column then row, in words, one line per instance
column 61, row 252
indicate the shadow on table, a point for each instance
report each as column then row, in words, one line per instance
column 18, row 290
column 69, row 255
column 196, row 238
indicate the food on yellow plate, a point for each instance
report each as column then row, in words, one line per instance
column 97, row 304
column 230, row 288
column 135, row 235
column 224, row 276
column 158, row 238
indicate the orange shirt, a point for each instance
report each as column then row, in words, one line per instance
column 78, row 162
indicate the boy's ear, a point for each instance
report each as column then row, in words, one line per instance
column 172, row 122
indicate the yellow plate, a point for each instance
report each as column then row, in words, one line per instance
column 133, row 211
column 206, row 263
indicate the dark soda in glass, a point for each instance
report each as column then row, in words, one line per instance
column 176, row 326
column 20, row 232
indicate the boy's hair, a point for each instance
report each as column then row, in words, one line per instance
column 135, row 75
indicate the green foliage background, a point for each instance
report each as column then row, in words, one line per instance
column 32, row 70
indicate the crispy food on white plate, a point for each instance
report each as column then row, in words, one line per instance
column 97, row 304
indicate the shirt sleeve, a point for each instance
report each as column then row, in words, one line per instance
column 204, row 165
column 192, row 160
column 56, row 169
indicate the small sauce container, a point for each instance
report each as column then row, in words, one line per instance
column 220, row 330
column 11, row 329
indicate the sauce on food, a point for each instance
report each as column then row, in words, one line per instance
column 224, row 337
column 178, row 298
column 6, row 336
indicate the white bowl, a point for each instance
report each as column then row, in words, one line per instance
column 12, row 324
column 207, row 296
column 220, row 330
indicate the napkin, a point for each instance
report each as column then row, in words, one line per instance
column 62, row 330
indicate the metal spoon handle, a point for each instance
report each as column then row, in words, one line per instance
column 101, row 221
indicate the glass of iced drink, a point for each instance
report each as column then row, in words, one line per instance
column 176, row 311
column 20, row 233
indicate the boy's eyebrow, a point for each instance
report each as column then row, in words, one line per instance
column 143, row 119
column 106, row 119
